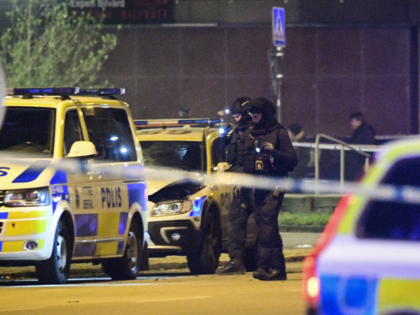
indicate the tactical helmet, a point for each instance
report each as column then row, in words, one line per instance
column 240, row 106
column 261, row 105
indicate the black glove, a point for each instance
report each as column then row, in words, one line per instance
column 267, row 146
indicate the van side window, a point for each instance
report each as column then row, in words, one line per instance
column 110, row 132
column 72, row 130
column 394, row 220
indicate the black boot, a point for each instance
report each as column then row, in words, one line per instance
column 276, row 274
column 233, row 267
column 261, row 273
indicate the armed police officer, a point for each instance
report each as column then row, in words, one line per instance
column 268, row 151
column 241, row 207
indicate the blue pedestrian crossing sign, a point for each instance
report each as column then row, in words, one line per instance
column 279, row 27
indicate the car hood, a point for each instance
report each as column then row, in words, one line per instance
column 22, row 173
column 163, row 190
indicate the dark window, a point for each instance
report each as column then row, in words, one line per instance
column 217, row 152
column 394, row 220
column 72, row 130
column 110, row 132
column 185, row 155
column 28, row 130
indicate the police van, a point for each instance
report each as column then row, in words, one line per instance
column 72, row 187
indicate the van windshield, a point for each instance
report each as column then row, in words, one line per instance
column 28, row 131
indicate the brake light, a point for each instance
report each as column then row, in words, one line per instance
column 311, row 287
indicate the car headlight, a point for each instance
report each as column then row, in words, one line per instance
column 27, row 197
column 172, row 207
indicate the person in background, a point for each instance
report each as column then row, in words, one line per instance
column 363, row 133
column 184, row 111
column 241, row 207
column 297, row 134
column 268, row 151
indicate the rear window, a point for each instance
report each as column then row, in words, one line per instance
column 394, row 220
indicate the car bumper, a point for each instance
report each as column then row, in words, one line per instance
column 173, row 237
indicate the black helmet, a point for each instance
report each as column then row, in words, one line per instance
column 264, row 106
column 240, row 106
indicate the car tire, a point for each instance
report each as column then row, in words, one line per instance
column 126, row 267
column 206, row 259
column 56, row 269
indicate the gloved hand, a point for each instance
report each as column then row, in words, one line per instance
column 267, row 146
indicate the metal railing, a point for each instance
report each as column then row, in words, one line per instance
column 337, row 145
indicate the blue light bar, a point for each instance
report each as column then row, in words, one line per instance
column 193, row 122
column 44, row 91
column 65, row 91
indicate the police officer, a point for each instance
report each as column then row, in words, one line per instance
column 268, row 151
column 241, row 207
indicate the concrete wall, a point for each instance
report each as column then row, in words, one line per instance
column 328, row 73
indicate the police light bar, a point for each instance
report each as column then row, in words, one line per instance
column 65, row 91
column 43, row 91
column 107, row 91
column 163, row 123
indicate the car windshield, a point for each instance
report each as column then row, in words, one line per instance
column 185, row 155
column 394, row 220
column 28, row 130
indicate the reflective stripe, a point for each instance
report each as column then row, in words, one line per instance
column 86, row 224
column 32, row 172
column 60, row 177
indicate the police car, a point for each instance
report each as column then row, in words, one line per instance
column 367, row 261
column 72, row 187
column 187, row 217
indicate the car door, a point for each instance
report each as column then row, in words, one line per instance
column 106, row 200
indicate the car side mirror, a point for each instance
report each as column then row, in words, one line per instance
column 82, row 149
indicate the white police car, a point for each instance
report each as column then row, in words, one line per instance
column 72, row 187
column 186, row 216
column 367, row 261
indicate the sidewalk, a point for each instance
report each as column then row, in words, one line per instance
column 296, row 247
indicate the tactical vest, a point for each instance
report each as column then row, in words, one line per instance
column 261, row 162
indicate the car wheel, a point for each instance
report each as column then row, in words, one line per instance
column 56, row 269
column 128, row 266
column 206, row 259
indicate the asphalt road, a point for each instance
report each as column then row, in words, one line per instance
column 174, row 294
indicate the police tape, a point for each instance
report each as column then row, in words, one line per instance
column 404, row 194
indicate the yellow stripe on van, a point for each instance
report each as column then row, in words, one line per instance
column 26, row 227
column 398, row 294
column 108, row 223
column 106, row 248
column 27, row 214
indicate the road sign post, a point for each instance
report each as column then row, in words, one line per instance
column 276, row 57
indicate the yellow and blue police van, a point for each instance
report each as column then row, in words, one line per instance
column 72, row 185
column 367, row 261
column 188, row 216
